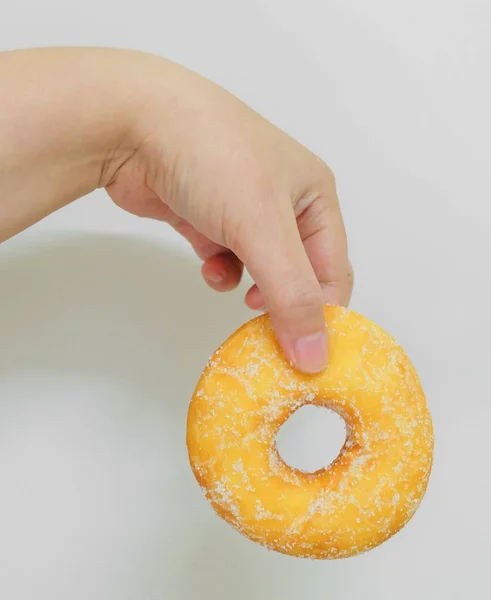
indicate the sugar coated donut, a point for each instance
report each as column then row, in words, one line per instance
column 367, row 494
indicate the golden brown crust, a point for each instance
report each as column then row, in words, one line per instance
column 369, row 492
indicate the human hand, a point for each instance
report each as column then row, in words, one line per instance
column 169, row 145
column 243, row 193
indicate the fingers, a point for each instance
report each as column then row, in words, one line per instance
column 323, row 234
column 222, row 271
column 270, row 246
column 254, row 299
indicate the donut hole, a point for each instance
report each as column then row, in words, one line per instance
column 311, row 438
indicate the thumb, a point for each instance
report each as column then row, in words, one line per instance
column 271, row 249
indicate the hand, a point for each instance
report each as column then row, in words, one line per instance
column 243, row 193
column 169, row 145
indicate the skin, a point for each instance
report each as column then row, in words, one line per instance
column 167, row 144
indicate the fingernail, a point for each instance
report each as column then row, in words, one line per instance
column 215, row 278
column 310, row 352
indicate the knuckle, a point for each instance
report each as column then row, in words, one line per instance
column 329, row 176
column 320, row 195
column 325, row 174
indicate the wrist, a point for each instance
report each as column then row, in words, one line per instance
column 150, row 93
column 63, row 116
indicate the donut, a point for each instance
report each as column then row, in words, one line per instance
column 367, row 494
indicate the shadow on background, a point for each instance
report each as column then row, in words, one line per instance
column 136, row 315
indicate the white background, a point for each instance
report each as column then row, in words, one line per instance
column 105, row 324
